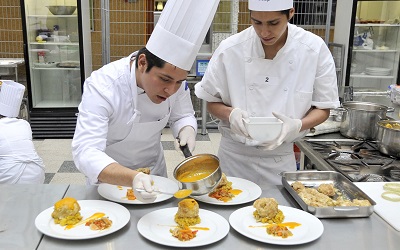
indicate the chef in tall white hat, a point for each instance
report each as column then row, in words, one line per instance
column 19, row 161
column 271, row 69
column 127, row 103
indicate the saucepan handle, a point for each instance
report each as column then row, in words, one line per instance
column 185, row 150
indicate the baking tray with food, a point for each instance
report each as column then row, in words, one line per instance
column 327, row 194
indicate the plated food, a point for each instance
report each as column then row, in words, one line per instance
column 98, row 218
column 66, row 212
column 125, row 195
column 244, row 191
column 161, row 226
column 187, row 215
column 224, row 191
column 297, row 227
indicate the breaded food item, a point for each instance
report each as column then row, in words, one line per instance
column 143, row 170
column 188, row 213
column 327, row 189
column 66, row 212
column 298, row 186
column 267, row 211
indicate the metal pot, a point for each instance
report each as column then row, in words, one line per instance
column 359, row 119
column 388, row 139
column 205, row 165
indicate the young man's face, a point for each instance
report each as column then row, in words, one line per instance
column 159, row 83
column 270, row 26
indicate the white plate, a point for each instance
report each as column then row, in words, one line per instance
column 311, row 227
column 155, row 227
column 250, row 192
column 118, row 214
column 118, row 193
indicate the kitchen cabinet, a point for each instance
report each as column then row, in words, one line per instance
column 58, row 57
column 372, row 41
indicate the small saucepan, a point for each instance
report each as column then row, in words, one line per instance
column 200, row 173
column 388, row 137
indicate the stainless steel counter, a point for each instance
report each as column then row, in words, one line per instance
column 20, row 204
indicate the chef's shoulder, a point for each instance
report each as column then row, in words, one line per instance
column 237, row 42
column 305, row 38
column 115, row 72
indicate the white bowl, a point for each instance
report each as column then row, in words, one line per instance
column 263, row 129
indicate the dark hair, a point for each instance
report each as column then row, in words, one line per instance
column 286, row 12
column 152, row 60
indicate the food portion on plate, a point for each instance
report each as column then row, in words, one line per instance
column 224, row 191
column 325, row 195
column 231, row 191
column 186, row 216
column 97, row 218
column 268, row 212
column 67, row 213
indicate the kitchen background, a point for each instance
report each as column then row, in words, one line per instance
column 116, row 28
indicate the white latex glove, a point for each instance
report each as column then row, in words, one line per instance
column 236, row 121
column 290, row 131
column 187, row 135
column 143, row 181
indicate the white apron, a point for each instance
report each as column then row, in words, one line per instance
column 142, row 147
column 251, row 162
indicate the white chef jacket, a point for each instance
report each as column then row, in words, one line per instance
column 19, row 161
column 301, row 75
column 109, row 104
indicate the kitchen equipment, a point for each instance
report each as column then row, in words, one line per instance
column 263, row 128
column 388, row 137
column 344, row 185
column 359, row 119
column 388, row 210
column 199, row 173
column 61, row 10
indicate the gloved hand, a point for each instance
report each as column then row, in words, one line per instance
column 236, row 122
column 144, row 181
column 187, row 135
column 290, row 131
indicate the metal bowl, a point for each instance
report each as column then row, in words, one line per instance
column 195, row 166
column 61, row 10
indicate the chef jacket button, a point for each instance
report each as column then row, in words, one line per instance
column 248, row 60
column 251, row 87
column 253, row 113
column 285, row 89
column 290, row 61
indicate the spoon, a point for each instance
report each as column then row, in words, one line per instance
column 180, row 194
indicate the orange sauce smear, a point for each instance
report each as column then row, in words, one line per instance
column 290, row 225
column 94, row 216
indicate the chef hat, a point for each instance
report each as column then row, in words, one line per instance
column 10, row 98
column 270, row 5
column 180, row 31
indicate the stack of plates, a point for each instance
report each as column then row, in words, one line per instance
column 374, row 71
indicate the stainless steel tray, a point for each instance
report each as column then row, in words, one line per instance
column 314, row 179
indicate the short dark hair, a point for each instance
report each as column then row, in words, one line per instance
column 152, row 60
column 286, row 12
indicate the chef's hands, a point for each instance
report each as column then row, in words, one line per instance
column 236, row 121
column 144, row 181
column 187, row 135
column 290, row 132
